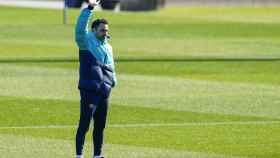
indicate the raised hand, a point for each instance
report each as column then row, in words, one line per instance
column 94, row 2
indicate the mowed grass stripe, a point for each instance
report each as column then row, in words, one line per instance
column 154, row 48
column 147, row 91
column 184, row 138
column 42, row 112
column 238, row 140
column 18, row 146
column 151, row 125
column 199, row 36
column 219, row 139
column 257, row 71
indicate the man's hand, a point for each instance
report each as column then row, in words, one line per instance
column 93, row 3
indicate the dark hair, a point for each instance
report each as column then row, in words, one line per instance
column 97, row 22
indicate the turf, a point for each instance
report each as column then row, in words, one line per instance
column 168, row 33
column 192, row 82
column 192, row 137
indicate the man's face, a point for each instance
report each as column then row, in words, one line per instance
column 102, row 31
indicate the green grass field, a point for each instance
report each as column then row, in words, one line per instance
column 193, row 83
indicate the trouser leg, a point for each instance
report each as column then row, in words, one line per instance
column 100, row 117
column 86, row 110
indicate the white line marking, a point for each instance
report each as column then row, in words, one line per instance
column 194, row 124
column 145, row 125
column 33, row 4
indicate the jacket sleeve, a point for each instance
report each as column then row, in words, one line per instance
column 81, row 30
column 115, row 78
column 114, row 74
column 112, row 63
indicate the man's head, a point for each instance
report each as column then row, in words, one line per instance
column 101, row 28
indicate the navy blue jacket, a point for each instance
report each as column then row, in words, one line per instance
column 94, row 75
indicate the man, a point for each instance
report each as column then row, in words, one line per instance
column 97, row 77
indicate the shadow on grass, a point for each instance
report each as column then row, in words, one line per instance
column 70, row 60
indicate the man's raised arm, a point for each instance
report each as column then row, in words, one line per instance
column 81, row 30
